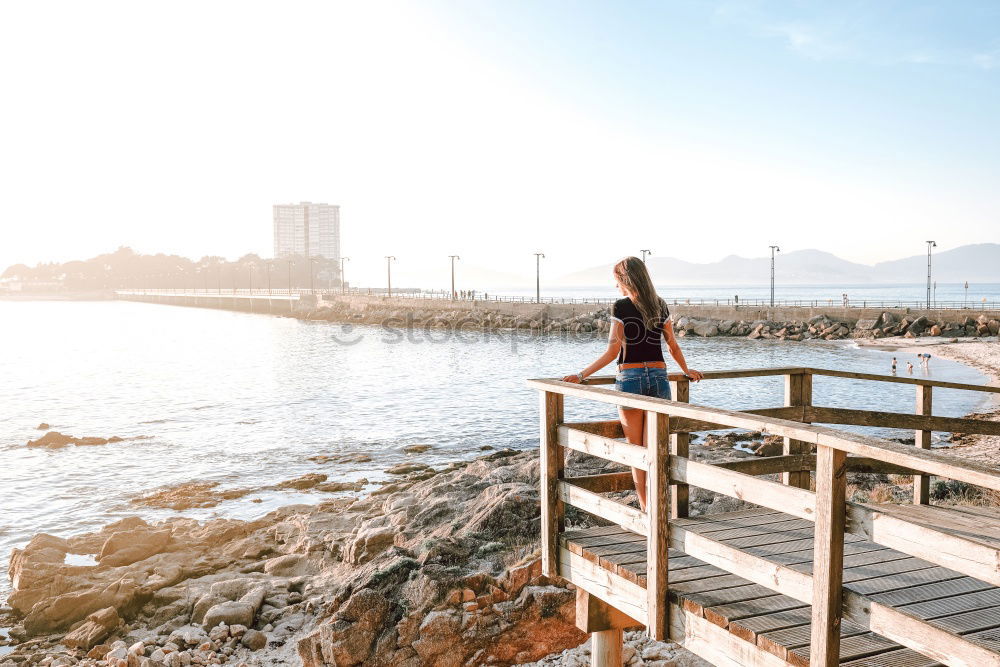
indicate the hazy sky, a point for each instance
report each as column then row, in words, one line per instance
column 492, row 129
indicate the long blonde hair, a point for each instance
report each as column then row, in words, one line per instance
column 632, row 274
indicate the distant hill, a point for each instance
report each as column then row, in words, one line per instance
column 976, row 263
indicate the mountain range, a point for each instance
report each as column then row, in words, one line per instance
column 978, row 263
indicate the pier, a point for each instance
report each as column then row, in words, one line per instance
column 804, row 577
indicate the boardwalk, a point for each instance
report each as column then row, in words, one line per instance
column 805, row 577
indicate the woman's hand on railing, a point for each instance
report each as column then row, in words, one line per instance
column 693, row 375
column 575, row 378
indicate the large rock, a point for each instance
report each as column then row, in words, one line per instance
column 230, row 613
column 706, row 329
column 94, row 629
column 127, row 547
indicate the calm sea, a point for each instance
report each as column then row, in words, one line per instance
column 244, row 400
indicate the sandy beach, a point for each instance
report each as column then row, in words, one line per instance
column 981, row 354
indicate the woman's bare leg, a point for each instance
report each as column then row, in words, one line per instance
column 632, row 423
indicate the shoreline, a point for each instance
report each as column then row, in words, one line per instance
column 984, row 356
column 343, row 556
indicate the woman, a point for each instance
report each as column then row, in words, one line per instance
column 638, row 322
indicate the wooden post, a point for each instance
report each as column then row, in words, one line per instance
column 658, row 542
column 680, row 391
column 606, row 648
column 828, row 557
column 551, row 415
column 798, row 391
column 921, row 483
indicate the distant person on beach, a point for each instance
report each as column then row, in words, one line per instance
column 909, row 367
column 894, row 365
column 640, row 322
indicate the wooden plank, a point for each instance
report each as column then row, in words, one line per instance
column 917, row 634
column 779, row 578
column 596, row 615
column 901, row 380
column 629, row 598
column 680, row 441
column 828, row 557
column 695, row 425
column 924, row 461
column 921, row 483
column 715, row 644
column 609, row 429
column 604, row 483
column 957, row 604
column 551, row 464
column 798, row 393
column 854, row 646
column 658, row 442
column 751, row 627
column 794, row 501
column 931, row 591
column 886, row 525
column 922, row 420
column 625, row 516
column 602, row 447
column 983, row 528
column 770, row 465
column 900, row 658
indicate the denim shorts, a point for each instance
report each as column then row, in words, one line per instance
column 644, row 381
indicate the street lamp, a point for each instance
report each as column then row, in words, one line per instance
column 343, row 283
column 250, row 286
column 311, row 272
column 289, row 277
column 453, row 258
column 774, row 249
column 644, row 253
column 389, row 259
column 930, row 244
column 966, row 302
column 538, row 276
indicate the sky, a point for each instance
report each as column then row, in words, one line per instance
column 497, row 129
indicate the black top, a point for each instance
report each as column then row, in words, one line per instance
column 641, row 344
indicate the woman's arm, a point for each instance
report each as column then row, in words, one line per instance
column 615, row 338
column 675, row 351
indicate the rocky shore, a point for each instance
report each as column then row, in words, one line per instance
column 436, row 567
column 820, row 327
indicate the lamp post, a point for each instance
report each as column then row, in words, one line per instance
column 644, row 253
column 774, row 249
column 343, row 283
column 270, row 267
column 538, row 276
column 250, row 285
column 930, row 244
column 453, row 258
column 312, row 272
column 966, row 302
column 389, row 259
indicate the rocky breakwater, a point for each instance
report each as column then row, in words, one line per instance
column 822, row 327
column 541, row 319
column 597, row 321
column 432, row 569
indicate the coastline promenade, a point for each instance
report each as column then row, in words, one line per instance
column 296, row 301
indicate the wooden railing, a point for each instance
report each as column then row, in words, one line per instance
column 670, row 472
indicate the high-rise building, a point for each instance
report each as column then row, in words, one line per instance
column 307, row 229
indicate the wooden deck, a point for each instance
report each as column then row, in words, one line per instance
column 780, row 625
column 807, row 577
